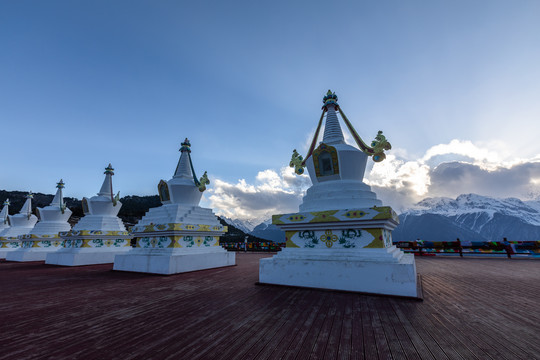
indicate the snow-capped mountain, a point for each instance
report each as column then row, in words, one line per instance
column 264, row 230
column 470, row 217
column 267, row 231
column 245, row 225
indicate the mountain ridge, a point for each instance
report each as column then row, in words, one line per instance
column 468, row 217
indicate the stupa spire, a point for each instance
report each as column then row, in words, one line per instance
column 183, row 169
column 59, row 197
column 27, row 207
column 106, row 188
column 332, row 129
column 5, row 212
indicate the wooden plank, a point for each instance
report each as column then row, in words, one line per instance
column 296, row 332
column 473, row 308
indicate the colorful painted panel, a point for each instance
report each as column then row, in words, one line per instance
column 187, row 241
column 54, row 243
column 92, row 233
column 374, row 213
column 178, row 227
column 10, row 244
column 96, row 243
column 336, row 239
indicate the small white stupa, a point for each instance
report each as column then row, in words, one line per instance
column 4, row 224
column 178, row 236
column 342, row 237
column 99, row 235
column 44, row 237
column 20, row 224
column 4, row 219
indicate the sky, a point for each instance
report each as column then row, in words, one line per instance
column 454, row 85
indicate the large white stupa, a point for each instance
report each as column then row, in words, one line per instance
column 341, row 238
column 178, row 236
column 99, row 235
column 20, row 224
column 44, row 237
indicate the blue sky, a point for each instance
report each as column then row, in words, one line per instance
column 83, row 84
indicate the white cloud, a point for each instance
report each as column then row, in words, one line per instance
column 272, row 193
column 452, row 169
column 444, row 170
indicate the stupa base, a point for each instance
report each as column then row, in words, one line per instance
column 23, row 255
column 386, row 271
column 9, row 248
column 4, row 253
column 173, row 261
column 80, row 257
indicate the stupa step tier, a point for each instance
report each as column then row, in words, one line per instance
column 35, row 247
column 100, row 223
column 50, row 228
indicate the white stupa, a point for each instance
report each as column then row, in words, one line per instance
column 4, row 224
column 44, row 237
column 341, row 238
column 99, row 235
column 178, row 236
column 4, row 219
column 20, row 224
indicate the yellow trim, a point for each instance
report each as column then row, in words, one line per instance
column 85, row 243
column 384, row 212
column 288, row 236
column 324, row 216
column 276, row 219
column 378, row 242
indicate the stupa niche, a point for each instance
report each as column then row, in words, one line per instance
column 99, row 235
column 44, row 237
column 20, row 224
column 341, row 238
column 178, row 236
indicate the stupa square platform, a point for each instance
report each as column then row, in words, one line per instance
column 348, row 250
column 176, row 248
column 87, row 247
column 8, row 245
column 35, row 248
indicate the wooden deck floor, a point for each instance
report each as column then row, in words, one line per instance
column 472, row 309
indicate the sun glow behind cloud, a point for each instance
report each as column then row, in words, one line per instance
column 451, row 169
